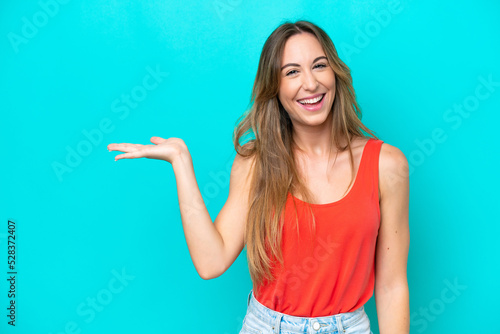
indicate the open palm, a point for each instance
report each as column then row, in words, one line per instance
column 163, row 149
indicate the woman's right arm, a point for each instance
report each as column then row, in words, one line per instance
column 213, row 246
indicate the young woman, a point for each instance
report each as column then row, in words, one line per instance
column 342, row 197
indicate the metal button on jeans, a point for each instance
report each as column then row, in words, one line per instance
column 316, row 326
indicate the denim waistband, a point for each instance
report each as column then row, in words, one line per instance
column 326, row 324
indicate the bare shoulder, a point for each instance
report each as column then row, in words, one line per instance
column 393, row 167
column 392, row 159
column 242, row 166
column 241, row 172
column 240, row 160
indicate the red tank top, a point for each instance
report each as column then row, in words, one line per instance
column 333, row 271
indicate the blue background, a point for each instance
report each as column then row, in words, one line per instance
column 66, row 70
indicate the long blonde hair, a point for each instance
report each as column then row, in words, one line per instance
column 275, row 172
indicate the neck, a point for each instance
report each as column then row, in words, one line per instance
column 315, row 141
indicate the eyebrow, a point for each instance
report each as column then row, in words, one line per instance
column 293, row 64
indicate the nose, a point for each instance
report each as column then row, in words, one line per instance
column 309, row 81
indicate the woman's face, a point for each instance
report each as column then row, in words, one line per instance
column 307, row 88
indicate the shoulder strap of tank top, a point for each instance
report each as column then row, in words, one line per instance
column 370, row 165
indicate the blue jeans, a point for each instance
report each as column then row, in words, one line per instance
column 262, row 320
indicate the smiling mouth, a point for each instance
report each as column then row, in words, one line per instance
column 311, row 102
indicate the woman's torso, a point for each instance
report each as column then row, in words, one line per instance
column 331, row 271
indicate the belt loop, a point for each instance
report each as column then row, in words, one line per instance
column 340, row 325
column 277, row 324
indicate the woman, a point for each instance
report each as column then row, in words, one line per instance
column 342, row 231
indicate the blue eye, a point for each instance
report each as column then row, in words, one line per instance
column 321, row 65
column 291, row 72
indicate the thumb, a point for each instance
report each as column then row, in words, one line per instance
column 157, row 140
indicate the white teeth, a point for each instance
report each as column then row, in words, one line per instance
column 311, row 101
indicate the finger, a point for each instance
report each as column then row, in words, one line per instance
column 116, row 146
column 124, row 147
column 130, row 155
column 157, row 140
